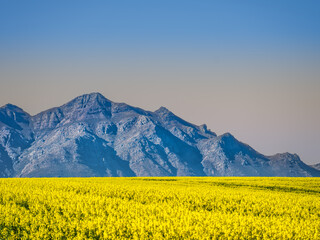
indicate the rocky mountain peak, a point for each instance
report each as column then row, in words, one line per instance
column 227, row 138
column 87, row 101
column 12, row 107
column 164, row 113
column 163, row 110
column 91, row 98
column 13, row 116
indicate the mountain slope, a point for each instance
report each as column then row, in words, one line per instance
column 316, row 166
column 15, row 137
column 93, row 136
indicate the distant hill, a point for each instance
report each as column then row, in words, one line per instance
column 316, row 166
column 93, row 136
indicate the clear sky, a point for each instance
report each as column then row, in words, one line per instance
column 251, row 68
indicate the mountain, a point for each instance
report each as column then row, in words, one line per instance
column 93, row 136
column 316, row 166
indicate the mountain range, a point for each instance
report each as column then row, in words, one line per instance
column 92, row 136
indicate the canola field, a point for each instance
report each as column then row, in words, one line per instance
column 160, row 208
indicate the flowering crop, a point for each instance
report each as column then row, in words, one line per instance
column 160, row 208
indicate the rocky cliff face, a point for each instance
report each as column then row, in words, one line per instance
column 93, row 136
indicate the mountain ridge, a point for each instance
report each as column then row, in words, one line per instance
column 94, row 136
column 316, row 166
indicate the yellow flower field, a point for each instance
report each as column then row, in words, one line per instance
column 160, row 208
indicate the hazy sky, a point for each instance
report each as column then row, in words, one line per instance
column 251, row 68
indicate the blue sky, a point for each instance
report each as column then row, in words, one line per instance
column 206, row 25
column 251, row 68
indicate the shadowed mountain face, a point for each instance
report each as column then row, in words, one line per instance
column 93, row 136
